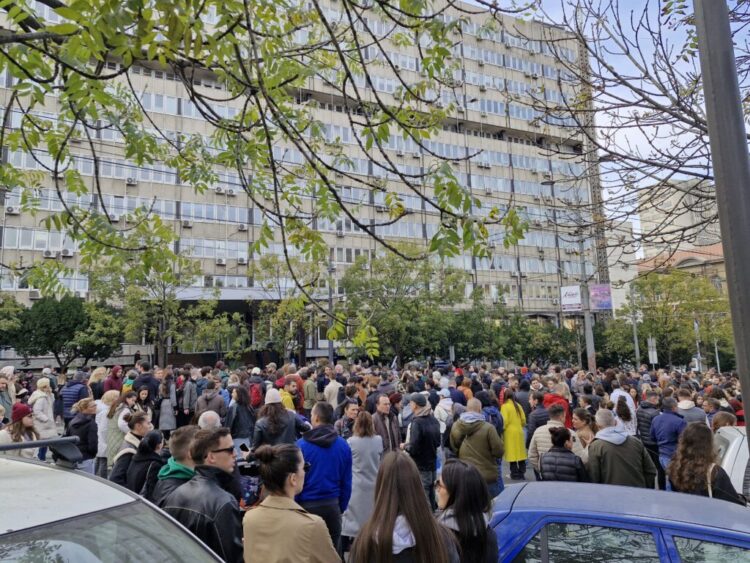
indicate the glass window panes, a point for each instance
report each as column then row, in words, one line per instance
column 697, row 551
column 593, row 544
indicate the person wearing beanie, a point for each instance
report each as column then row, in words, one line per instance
column 422, row 443
column 20, row 429
column 113, row 382
column 276, row 424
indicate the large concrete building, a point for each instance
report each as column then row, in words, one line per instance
column 523, row 159
column 677, row 216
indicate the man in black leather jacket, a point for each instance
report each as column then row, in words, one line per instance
column 204, row 504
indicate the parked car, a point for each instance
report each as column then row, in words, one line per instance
column 731, row 442
column 54, row 514
column 555, row 522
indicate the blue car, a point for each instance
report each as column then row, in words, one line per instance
column 579, row 522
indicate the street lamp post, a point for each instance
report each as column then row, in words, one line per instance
column 634, row 320
column 331, row 271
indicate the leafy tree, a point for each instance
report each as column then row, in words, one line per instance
column 284, row 318
column 669, row 302
column 102, row 335
column 409, row 304
column 10, row 318
column 69, row 329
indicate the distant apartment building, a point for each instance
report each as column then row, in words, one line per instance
column 522, row 159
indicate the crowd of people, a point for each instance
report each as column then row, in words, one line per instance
column 370, row 463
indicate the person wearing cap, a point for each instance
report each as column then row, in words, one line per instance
column 20, row 429
column 422, row 443
column 276, row 424
column 444, row 409
column 113, row 382
column 75, row 390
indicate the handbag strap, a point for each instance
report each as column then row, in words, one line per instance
column 708, row 480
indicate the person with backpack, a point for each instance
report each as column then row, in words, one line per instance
column 127, row 383
column 477, row 442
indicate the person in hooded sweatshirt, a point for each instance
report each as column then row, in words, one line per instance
column 477, row 442
column 615, row 458
column 179, row 468
column 687, row 409
column 83, row 425
column 328, row 483
column 211, row 400
column 444, row 410
column 146, row 465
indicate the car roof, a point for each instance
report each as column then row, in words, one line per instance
column 628, row 502
column 732, row 431
column 36, row 493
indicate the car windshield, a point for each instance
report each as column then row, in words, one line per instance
column 131, row 533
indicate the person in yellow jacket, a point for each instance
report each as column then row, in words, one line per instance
column 288, row 393
column 515, row 445
column 278, row 529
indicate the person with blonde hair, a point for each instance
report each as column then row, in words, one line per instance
column 96, row 382
column 43, row 402
column 103, row 407
column 83, row 425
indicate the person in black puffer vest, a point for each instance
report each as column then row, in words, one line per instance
column 560, row 463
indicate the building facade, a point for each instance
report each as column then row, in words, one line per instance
column 521, row 158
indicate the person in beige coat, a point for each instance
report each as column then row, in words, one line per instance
column 279, row 529
column 541, row 441
column 42, row 402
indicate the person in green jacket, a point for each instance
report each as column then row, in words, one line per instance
column 179, row 468
column 477, row 442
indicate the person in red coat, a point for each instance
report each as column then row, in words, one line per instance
column 558, row 397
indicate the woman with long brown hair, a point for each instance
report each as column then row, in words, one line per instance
column 694, row 469
column 402, row 527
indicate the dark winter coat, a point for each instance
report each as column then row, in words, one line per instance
column 171, row 476
column 387, row 429
column 538, row 417
column 721, row 488
column 84, row 426
column 665, row 431
column 143, row 473
column 286, row 435
column 479, row 444
column 424, row 440
column 73, row 392
column 241, row 421
column 211, row 401
column 123, row 458
column 625, row 462
column 147, row 379
column 561, row 464
column 644, row 416
column 205, row 506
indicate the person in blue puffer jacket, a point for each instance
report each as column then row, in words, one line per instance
column 328, row 477
column 75, row 390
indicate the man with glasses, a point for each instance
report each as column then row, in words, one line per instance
column 204, row 504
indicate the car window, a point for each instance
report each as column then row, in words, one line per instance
column 131, row 533
column 697, row 551
column 592, row 544
column 722, row 445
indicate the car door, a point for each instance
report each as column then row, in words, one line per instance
column 696, row 547
column 560, row 540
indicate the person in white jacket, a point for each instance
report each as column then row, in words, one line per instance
column 42, row 402
column 103, row 406
column 444, row 409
